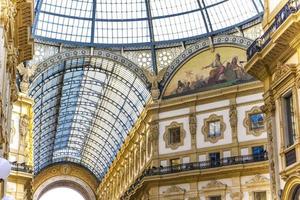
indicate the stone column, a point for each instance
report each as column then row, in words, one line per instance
column 269, row 110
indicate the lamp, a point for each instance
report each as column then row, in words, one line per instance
column 8, row 198
column 5, row 168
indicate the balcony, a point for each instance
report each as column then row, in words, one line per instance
column 291, row 7
column 21, row 167
column 235, row 160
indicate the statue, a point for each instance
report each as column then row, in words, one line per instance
column 26, row 74
column 12, row 132
column 154, row 80
column 24, row 123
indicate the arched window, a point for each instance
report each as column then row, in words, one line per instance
column 296, row 195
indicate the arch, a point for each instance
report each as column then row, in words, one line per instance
column 201, row 46
column 67, row 175
column 99, row 53
column 290, row 187
column 88, row 105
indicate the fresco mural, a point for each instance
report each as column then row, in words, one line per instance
column 209, row 70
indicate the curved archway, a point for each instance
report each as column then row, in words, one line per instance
column 63, row 192
column 65, row 175
column 89, row 101
column 291, row 188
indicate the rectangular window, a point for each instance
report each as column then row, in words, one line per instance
column 260, row 195
column 290, row 157
column 174, row 134
column 256, row 121
column 289, row 119
column 258, row 152
column 215, row 198
column 214, row 128
column 214, row 158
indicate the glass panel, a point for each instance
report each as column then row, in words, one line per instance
column 260, row 195
column 256, row 121
column 214, row 128
column 83, row 114
column 174, row 134
column 290, row 121
column 127, row 21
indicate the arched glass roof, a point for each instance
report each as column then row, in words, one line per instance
column 138, row 22
column 84, row 108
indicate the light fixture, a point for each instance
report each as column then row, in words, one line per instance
column 8, row 198
column 5, row 168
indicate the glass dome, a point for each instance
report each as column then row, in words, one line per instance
column 138, row 22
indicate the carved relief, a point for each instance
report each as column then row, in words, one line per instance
column 174, row 193
column 214, row 188
column 254, row 121
column 281, row 70
column 214, row 184
column 257, row 179
column 206, row 128
column 174, row 189
column 167, row 135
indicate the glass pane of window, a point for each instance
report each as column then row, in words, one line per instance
column 174, row 134
column 260, row 196
column 215, row 198
column 214, row 129
column 256, row 121
column 214, row 158
column 290, row 121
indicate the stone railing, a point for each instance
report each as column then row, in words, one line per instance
column 290, row 7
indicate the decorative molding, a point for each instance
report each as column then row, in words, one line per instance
column 174, row 189
column 205, row 128
column 166, row 135
column 257, row 179
column 79, row 53
column 247, row 122
column 214, row 184
column 69, row 169
column 281, row 71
